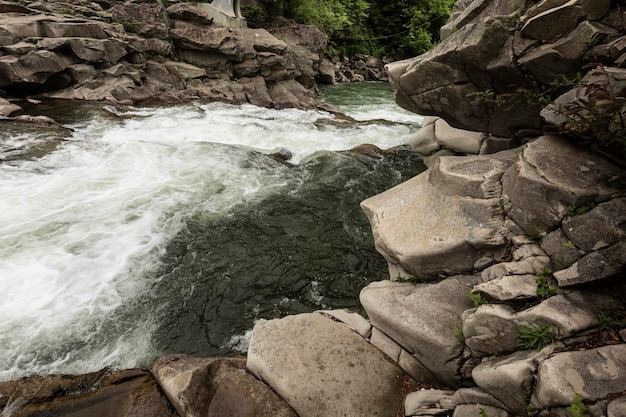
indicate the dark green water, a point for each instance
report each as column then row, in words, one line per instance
column 308, row 248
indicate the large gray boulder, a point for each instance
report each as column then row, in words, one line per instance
column 593, row 374
column 424, row 319
column 322, row 368
column 445, row 221
column 510, row 378
column 492, row 329
column 551, row 175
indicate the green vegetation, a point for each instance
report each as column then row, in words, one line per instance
column 577, row 211
column 611, row 317
column 544, row 290
column 476, row 298
column 460, row 336
column 397, row 28
column 482, row 412
column 535, row 336
column 577, row 409
column 598, row 117
column 407, row 278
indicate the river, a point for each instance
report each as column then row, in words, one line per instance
column 169, row 229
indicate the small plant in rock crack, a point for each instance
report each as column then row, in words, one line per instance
column 407, row 278
column 544, row 290
column 611, row 317
column 577, row 211
column 458, row 333
column 535, row 336
column 476, row 298
column 577, row 408
column 482, row 412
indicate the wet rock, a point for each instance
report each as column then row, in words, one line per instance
column 344, row 374
column 121, row 394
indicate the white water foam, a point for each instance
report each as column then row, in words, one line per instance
column 82, row 227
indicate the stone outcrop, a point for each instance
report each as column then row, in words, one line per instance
column 216, row 387
column 131, row 52
column 127, row 393
column 500, row 46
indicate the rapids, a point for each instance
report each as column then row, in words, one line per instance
column 168, row 229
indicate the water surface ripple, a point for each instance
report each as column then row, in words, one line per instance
column 169, row 229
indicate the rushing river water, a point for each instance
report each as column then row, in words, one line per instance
column 169, row 229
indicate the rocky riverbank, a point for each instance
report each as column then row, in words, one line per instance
column 506, row 257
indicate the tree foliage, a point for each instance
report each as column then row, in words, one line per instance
column 400, row 28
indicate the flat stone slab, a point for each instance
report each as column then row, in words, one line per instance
column 322, row 368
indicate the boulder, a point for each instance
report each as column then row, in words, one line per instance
column 509, row 287
column 492, row 329
column 548, row 25
column 148, row 19
column 9, row 109
column 551, row 175
column 562, row 251
column 443, row 221
column 472, row 410
column 617, row 407
column 216, row 387
column 422, row 318
column 598, row 228
column 386, row 344
column 322, row 368
column 425, row 401
column 126, row 393
column 598, row 265
column 458, row 140
column 510, row 378
column 593, row 374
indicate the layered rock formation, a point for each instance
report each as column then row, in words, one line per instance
column 132, row 52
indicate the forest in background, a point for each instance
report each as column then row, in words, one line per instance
column 394, row 28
